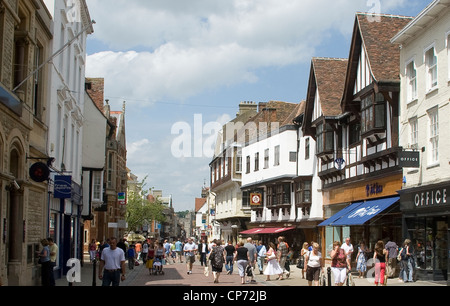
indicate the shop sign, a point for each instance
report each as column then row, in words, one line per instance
column 409, row 159
column 63, row 187
column 256, row 199
column 374, row 189
column 365, row 211
column 431, row 198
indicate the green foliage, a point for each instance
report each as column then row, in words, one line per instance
column 141, row 211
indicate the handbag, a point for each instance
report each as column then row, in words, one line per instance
column 301, row 262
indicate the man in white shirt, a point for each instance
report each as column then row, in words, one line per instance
column 113, row 262
column 348, row 248
column 189, row 253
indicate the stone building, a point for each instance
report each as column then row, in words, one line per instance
column 25, row 37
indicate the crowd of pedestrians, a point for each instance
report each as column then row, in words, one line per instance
column 273, row 260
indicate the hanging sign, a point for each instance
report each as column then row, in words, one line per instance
column 63, row 187
column 256, row 199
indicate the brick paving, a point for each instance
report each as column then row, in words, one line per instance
column 176, row 275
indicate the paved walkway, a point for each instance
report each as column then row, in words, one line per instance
column 176, row 275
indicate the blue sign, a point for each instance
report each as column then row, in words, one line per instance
column 63, row 187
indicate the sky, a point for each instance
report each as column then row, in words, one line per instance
column 183, row 67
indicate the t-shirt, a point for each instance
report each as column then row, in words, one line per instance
column 189, row 249
column 314, row 260
column 251, row 251
column 53, row 249
column 347, row 248
column 241, row 253
column 178, row 246
column 145, row 248
column 113, row 258
column 230, row 250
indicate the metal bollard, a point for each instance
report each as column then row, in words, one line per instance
column 329, row 276
column 94, row 273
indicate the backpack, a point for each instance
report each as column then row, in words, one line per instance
column 216, row 257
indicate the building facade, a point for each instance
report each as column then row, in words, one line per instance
column 358, row 145
column 225, row 200
column 278, row 176
column 25, row 44
column 425, row 118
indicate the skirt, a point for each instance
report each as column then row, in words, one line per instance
column 273, row 268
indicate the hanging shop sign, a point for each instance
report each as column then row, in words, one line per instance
column 256, row 199
column 63, row 187
column 409, row 159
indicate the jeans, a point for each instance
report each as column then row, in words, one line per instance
column 203, row 259
column 229, row 263
column 260, row 261
column 111, row 277
column 408, row 270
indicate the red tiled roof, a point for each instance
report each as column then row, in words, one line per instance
column 384, row 57
column 199, row 202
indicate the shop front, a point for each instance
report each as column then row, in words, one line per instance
column 365, row 211
column 426, row 216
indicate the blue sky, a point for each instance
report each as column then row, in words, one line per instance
column 173, row 59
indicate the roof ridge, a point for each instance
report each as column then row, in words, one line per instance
column 384, row 15
column 330, row 58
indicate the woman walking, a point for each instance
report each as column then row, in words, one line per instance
column 301, row 259
column 273, row 267
column 407, row 261
column 44, row 260
column 313, row 265
column 217, row 257
column 242, row 259
column 338, row 264
column 380, row 258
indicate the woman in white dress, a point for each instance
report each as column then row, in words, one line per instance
column 273, row 267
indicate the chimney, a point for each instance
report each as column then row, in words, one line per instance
column 247, row 106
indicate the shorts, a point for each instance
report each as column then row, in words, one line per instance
column 339, row 274
column 190, row 258
column 312, row 273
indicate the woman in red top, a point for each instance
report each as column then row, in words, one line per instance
column 339, row 264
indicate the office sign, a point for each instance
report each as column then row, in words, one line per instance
column 409, row 159
column 63, row 187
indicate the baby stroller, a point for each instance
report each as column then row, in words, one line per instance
column 158, row 266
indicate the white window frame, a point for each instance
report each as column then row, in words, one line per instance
column 97, row 186
column 277, row 156
column 433, row 134
column 414, row 133
column 411, row 84
column 447, row 44
column 432, row 70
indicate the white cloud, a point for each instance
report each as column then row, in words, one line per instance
column 196, row 45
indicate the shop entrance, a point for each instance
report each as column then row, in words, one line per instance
column 429, row 237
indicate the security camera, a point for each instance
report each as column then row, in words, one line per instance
column 16, row 185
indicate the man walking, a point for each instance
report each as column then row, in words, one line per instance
column 53, row 254
column 179, row 249
column 189, row 253
column 282, row 254
column 252, row 254
column 112, row 265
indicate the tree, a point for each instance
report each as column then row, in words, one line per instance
column 141, row 211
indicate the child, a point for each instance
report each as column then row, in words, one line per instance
column 150, row 258
column 157, row 265
column 131, row 257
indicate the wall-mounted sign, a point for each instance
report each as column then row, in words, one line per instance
column 374, row 189
column 409, row 159
column 63, row 187
column 121, row 197
column 339, row 163
column 255, row 199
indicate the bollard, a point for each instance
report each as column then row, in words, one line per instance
column 329, row 276
column 94, row 273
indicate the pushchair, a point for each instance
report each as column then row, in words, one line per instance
column 158, row 266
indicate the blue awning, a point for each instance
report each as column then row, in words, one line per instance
column 340, row 214
column 360, row 214
column 10, row 101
